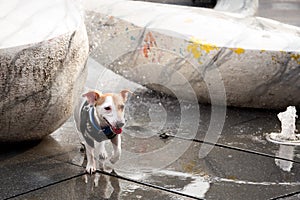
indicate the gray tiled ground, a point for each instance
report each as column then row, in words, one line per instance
column 107, row 188
column 27, row 170
column 223, row 174
column 56, row 163
column 54, row 167
column 247, row 129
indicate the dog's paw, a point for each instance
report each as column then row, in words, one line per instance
column 103, row 155
column 90, row 169
column 114, row 159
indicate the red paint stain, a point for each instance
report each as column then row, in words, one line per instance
column 149, row 42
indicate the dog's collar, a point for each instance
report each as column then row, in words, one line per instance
column 106, row 129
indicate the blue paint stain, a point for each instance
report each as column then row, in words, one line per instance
column 126, row 29
column 180, row 51
column 132, row 38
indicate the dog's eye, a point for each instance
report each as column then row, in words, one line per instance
column 121, row 107
column 107, row 108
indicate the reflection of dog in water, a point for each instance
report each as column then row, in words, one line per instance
column 99, row 186
column 99, row 118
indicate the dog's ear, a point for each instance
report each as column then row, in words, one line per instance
column 124, row 94
column 92, row 97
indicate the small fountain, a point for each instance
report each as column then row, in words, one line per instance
column 288, row 134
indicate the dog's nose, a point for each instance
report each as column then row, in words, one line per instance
column 120, row 124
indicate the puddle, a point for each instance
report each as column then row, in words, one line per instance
column 195, row 185
column 177, row 181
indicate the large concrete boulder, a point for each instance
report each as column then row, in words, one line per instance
column 43, row 52
column 226, row 57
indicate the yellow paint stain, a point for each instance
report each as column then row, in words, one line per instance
column 194, row 49
column 208, row 47
column 296, row 57
column 238, row 50
column 262, row 51
column 197, row 47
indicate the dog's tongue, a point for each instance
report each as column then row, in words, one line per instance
column 117, row 130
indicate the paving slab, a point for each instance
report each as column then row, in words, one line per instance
column 22, row 171
column 247, row 129
column 222, row 174
column 99, row 186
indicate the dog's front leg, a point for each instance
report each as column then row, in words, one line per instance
column 100, row 155
column 116, row 141
column 91, row 162
column 102, row 151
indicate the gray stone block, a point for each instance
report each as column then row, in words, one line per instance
column 218, row 57
column 39, row 84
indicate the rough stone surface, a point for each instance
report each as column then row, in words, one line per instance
column 219, row 75
column 39, row 84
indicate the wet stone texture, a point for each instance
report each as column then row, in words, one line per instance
column 99, row 186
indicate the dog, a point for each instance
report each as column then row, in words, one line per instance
column 100, row 117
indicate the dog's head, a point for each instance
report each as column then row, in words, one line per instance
column 109, row 107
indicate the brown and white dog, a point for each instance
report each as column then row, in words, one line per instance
column 100, row 117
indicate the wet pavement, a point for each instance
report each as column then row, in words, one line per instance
column 169, row 151
column 163, row 157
